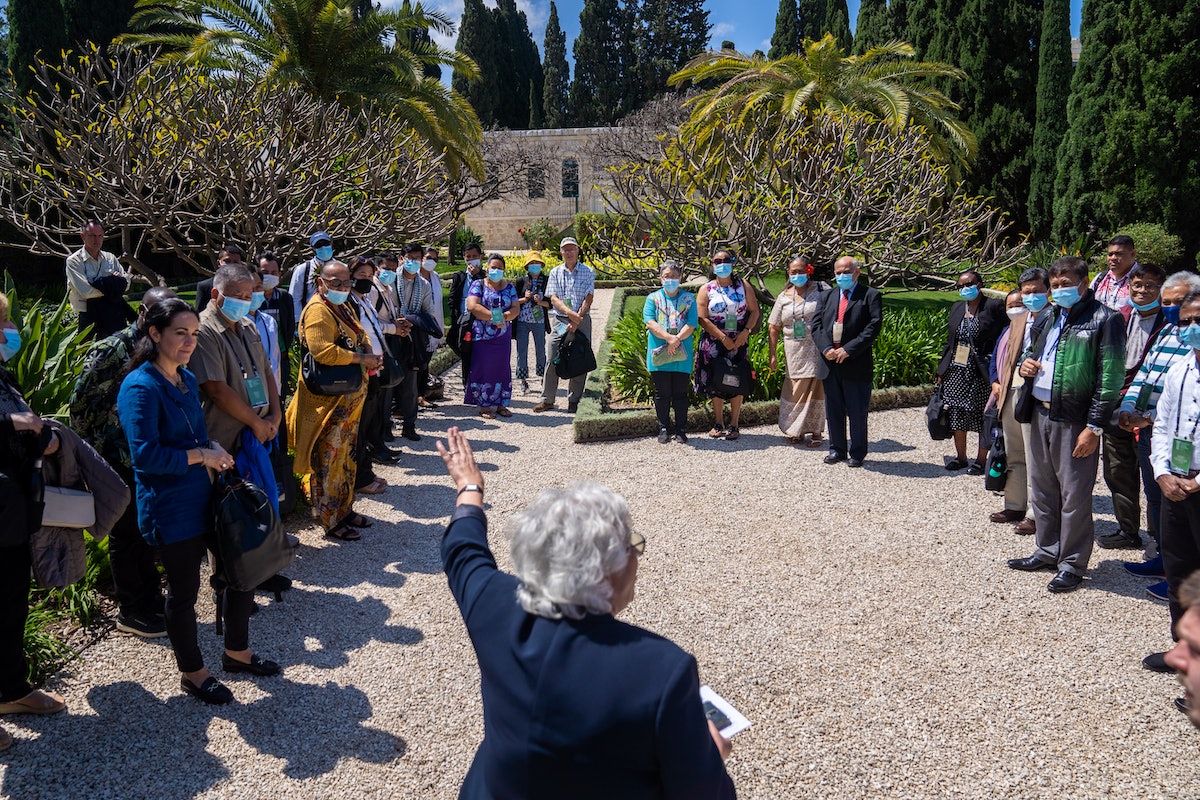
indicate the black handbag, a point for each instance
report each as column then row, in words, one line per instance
column 329, row 380
column 996, row 474
column 461, row 336
column 575, row 356
column 728, row 378
column 391, row 374
column 937, row 416
column 249, row 538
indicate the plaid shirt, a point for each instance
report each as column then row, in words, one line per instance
column 1113, row 291
column 572, row 287
column 94, row 401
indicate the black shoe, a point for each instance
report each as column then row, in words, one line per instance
column 1065, row 582
column 257, row 666
column 386, row 456
column 956, row 464
column 389, row 436
column 663, row 436
column 212, row 691
column 681, row 437
column 411, row 434
column 1157, row 662
column 1181, row 704
column 276, row 585
column 975, row 468
column 834, row 457
column 145, row 627
column 854, row 462
column 572, row 408
column 1120, row 539
column 1031, row 564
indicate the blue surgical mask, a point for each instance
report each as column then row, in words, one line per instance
column 337, row 298
column 535, row 269
column 670, row 285
column 1171, row 314
column 845, row 281
column 1065, row 298
column 234, row 309
column 387, row 277
column 257, row 299
column 969, row 293
column 798, row 280
column 495, row 275
column 412, row 266
column 1190, row 336
column 325, row 253
column 1035, row 302
column 1147, row 307
column 723, row 270
column 10, row 346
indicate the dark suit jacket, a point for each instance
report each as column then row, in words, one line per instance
column 204, row 293
column 590, row 709
column 458, row 288
column 992, row 320
column 860, row 328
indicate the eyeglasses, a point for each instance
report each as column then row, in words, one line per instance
column 336, row 284
column 1185, row 321
column 637, row 543
column 722, row 261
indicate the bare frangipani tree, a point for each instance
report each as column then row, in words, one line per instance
column 825, row 186
column 175, row 161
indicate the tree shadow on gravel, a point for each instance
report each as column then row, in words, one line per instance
column 136, row 747
column 909, row 469
column 1110, row 576
column 429, row 500
column 890, row 446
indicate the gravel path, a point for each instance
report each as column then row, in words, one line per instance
column 863, row 619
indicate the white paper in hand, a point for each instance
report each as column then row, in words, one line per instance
column 717, row 709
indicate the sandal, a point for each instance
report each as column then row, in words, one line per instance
column 716, row 432
column 487, row 413
column 36, row 702
column 343, row 532
column 956, row 464
column 358, row 521
column 731, row 433
column 503, row 411
column 377, row 486
column 811, row 440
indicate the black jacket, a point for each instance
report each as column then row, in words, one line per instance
column 458, row 288
column 992, row 321
column 540, row 281
column 860, row 328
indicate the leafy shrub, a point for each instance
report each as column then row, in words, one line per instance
column 586, row 227
column 463, row 236
column 627, row 368
column 1154, row 243
column 908, row 348
column 540, row 234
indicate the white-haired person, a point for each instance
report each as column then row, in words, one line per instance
column 575, row 703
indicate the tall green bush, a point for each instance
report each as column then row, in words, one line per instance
column 1154, row 243
column 908, row 348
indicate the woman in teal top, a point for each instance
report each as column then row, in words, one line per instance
column 670, row 316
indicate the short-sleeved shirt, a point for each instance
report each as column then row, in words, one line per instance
column 678, row 312
column 230, row 356
column 82, row 270
column 491, row 298
column 571, row 286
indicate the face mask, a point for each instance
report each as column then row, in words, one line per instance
column 337, row 298
column 1035, row 302
column 844, row 281
column 234, row 309
column 1016, row 313
column 1147, row 307
column 1065, row 298
column 798, row 280
column 9, row 347
column 1190, row 336
column 412, row 266
column 723, row 270
column 325, row 253
column 1171, row 314
column 671, row 285
column 429, row 264
column 270, row 282
column 257, row 299
column 363, row 285
column 969, row 293
column 387, row 277
column 535, row 269
column 495, row 275
column 474, row 264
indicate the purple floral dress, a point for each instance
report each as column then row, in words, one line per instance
column 723, row 301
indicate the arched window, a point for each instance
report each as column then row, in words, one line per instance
column 570, row 178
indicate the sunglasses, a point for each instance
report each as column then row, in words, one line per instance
column 1185, row 321
column 336, row 284
column 722, row 261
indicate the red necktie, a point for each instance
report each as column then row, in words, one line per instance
column 845, row 301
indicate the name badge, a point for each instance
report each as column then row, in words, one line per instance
column 569, row 302
column 961, row 354
column 1181, row 455
column 497, row 316
column 837, row 332
column 731, row 322
column 256, row 390
column 561, row 329
column 537, row 314
column 673, row 322
column 798, row 330
column 1143, row 399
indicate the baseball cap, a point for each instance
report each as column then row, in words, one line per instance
column 318, row 237
column 566, row 241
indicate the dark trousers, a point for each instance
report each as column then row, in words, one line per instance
column 1150, row 487
column 182, row 563
column 1120, row 460
column 422, row 380
column 134, row 571
column 1180, row 547
column 847, row 400
column 14, row 607
column 671, row 392
column 407, row 392
column 370, row 431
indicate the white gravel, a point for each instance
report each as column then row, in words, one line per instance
column 863, row 619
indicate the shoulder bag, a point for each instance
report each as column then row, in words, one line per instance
column 575, row 356
column 249, row 536
column 728, row 378
column 329, row 380
column 937, row 416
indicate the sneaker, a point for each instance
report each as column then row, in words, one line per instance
column 1120, row 539
column 681, row 437
column 1146, row 569
column 663, row 436
column 145, row 627
column 1158, row 590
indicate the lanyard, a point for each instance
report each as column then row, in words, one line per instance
column 1179, row 408
column 249, row 356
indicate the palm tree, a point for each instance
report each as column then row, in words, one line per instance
column 883, row 83
column 331, row 50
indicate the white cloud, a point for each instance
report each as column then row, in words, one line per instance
column 722, row 30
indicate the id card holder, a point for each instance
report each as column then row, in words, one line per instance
column 537, row 314
column 673, row 323
column 1143, row 399
column 1181, row 455
column 730, row 323
column 256, row 390
column 961, row 354
column 798, row 330
column 569, row 302
column 497, row 317
column 561, row 329
column 838, row 327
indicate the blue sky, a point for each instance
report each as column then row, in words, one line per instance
column 748, row 23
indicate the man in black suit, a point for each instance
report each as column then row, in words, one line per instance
column 230, row 254
column 848, row 320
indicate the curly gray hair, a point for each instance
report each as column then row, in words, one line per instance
column 564, row 547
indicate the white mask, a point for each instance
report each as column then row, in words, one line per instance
column 1014, row 313
column 429, row 264
column 270, row 282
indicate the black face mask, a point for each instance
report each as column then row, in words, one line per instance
column 363, row 285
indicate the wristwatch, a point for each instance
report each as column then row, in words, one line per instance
column 471, row 487
column 1096, row 429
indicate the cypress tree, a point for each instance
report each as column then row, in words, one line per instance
column 96, row 21
column 812, row 19
column 837, row 22
column 597, row 92
column 898, row 19
column 874, row 26
column 1053, row 88
column 921, row 26
column 556, row 73
column 35, row 27
column 671, row 32
column 518, row 63
column 477, row 38
column 785, row 41
column 536, row 120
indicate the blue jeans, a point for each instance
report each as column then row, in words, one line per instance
column 521, row 331
column 1150, row 486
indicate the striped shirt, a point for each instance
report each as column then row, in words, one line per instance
column 1166, row 351
column 571, row 286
